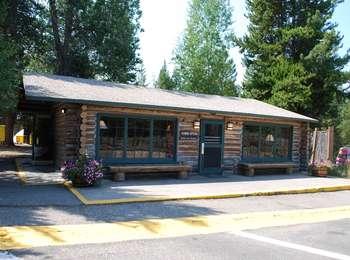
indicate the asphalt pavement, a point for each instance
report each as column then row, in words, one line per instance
column 53, row 205
column 312, row 241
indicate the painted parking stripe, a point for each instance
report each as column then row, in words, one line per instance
column 290, row 245
column 15, row 237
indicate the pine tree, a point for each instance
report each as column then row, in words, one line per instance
column 141, row 79
column 20, row 27
column 164, row 80
column 202, row 61
column 290, row 52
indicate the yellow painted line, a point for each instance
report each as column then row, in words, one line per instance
column 20, row 172
column 87, row 201
column 15, row 237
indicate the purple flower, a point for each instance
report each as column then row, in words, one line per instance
column 84, row 168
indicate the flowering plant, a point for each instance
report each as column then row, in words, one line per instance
column 321, row 164
column 343, row 157
column 83, row 169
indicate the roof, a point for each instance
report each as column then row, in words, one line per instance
column 87, row 91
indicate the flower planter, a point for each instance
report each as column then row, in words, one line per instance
column 83, row 172
column 78, row 182
column 320, row 171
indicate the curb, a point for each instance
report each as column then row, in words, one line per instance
column 87, row 201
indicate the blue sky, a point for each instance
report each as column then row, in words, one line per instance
column 165, row 20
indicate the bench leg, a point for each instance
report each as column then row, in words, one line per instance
column 251, row 172
column 289, row 170
column 118, row 176
column 182, row 175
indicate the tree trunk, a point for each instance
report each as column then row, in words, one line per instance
column 62, row 46
column 10, row 122
column 56, row 36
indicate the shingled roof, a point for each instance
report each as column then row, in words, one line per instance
column 86, row 91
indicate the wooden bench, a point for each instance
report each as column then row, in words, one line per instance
column 118, row 172
column 249, row 168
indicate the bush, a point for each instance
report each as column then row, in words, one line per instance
column 83, row 170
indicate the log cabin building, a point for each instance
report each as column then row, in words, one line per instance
column 129, row 125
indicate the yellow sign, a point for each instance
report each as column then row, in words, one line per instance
column 2, row 133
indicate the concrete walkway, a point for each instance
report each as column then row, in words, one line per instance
column 200, row 187
column 36, row 174
column 164, row 188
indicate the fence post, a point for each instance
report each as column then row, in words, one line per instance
column 330, row 142
column 313, row 151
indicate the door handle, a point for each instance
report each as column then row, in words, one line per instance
column 202, row 148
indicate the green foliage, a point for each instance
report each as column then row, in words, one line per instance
column 115, row 26
column 21, row 29
column 9, row 76
column 164, row 80
column 344, row 126
column 202, row 62
column 89, row 39
column 141, row 79
column 290, row 52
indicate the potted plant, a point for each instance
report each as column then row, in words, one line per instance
column 320, row 169
column 82, row 172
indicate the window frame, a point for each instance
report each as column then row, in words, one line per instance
column 125, row 159
column 268, row 159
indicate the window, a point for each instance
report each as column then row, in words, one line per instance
column 130, row 139
column 163, row 139
column 266, row 143
column 138, row 138
column 111, row 138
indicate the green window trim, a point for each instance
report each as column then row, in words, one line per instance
column 124, row 159
column 276, row 128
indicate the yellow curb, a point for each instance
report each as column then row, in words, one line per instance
column 15, row 237
column 20, row 172
column 87, row 201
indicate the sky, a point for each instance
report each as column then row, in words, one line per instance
column 164, row 21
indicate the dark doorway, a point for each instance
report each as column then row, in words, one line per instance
column 43, row 138
column 211, row 146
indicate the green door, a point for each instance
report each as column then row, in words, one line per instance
column 211, row 146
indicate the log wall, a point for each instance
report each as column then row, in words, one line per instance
column 188, row 150
column 67, row 133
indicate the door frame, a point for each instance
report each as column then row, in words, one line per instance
column 201, row 169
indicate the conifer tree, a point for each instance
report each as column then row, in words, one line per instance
column 291, row 55
column 164, row 80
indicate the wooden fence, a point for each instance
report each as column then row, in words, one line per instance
column 322, row 145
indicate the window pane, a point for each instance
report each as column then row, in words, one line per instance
column 213, row 133
column 111, row 137
column 282, row 142
column 267, row 142
column 251, row 141
column 138, row 138
column 163, row 139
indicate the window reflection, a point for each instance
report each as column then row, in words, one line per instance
column 145, row 138
column 262, row 142
column 163, row 139
column 111, row 137
column 251, row 141
column 138, row 138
